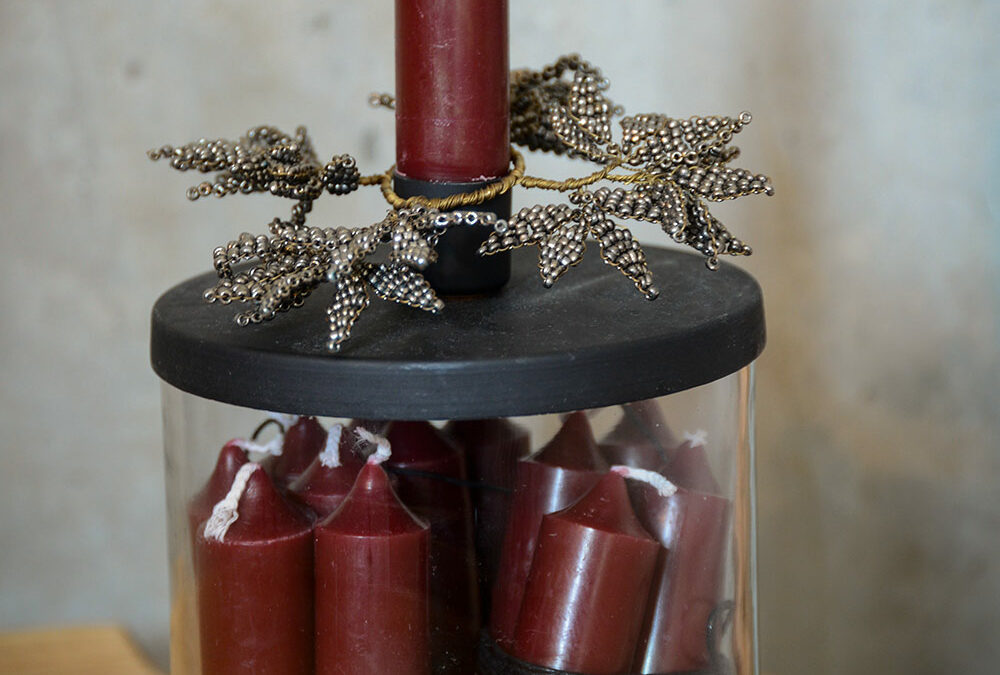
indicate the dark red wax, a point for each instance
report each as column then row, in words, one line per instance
column 446, row 506
column 568, row 466
column 689, row 467
column 586, row 595
column 231, row 458
column 641, row 438
column 255, row 588
column 492, row 448
column 372, row 590
column 687, row 582
column 322, row 488
column 452, row 120
column 303, row 441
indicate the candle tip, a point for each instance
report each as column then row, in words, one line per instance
column 226, row 512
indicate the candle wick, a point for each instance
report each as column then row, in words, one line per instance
column 696, row 439
column 226, row 512
column 330, row 457
column 382, row 448
column 662, row 485
column 272, row 447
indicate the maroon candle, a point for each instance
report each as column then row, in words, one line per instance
column 492, row 448
column 586, row 594
column 303, row 441
column 231, row 458
column 568, row 466
column 641, row 438
column 428, row 466
column 452, row 120
column 372, row 583
column 689, row 467
column 325, row 484
column 687, row 583
column 254, row 567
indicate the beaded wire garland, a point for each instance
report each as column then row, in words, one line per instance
column 666, row 169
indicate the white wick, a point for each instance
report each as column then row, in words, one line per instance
column 226, row 512
column 697, row 439
column 285, row 420
column 330, row 457
column 272, row 447
column 662, row 485
column 382, row 452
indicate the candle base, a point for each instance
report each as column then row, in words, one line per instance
column 459, row 269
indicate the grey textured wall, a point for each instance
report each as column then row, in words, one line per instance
column 877, row 396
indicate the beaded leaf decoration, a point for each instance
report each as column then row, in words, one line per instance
column 666, row 170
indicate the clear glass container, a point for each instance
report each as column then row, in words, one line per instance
column 475, row 547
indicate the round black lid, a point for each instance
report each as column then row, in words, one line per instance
column 589, row 341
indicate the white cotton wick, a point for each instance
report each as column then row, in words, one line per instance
column 272, row 447
column 285, row 420
column 226, row 512
column 696, row 439
column 662, row 485
column 330, row 457
column 382, row 449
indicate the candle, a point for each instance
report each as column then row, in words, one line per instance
column 492, row 448
column 325, row 484
column 690, row 467
column 692, row 525
column 431, row 475
column 231, row 458
column 641, row 438
column 568, row 466
column 452, row 120
column 585, row 596
column 303, row 440
column 254, row 567
column 372, row 590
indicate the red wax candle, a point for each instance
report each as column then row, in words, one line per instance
column 372, row 584
column 325, row 484
column 492, row 448
column 692, row 526
column 452, row 120
column 689, row 466
column 586, row 594
column 255, row 584
column 641, row 438
column 428, row 464
column 303, row 441
column 231, row 458
column 568, row 466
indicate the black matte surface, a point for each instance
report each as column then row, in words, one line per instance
column 591, row 340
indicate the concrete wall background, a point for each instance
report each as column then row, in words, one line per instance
column 877, row 396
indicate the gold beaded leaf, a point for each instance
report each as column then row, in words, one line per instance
column 666, row 170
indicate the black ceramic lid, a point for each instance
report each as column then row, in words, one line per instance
column 591, row 340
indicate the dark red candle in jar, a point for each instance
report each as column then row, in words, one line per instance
column 687, row 583
column 303, row 440
column 641, row 438
column 255, row 582
column 492, row 448
column 586, row 594
column 372, row 593
column 325, row 484
column 452, row 119
column 689, row 466
column 562, row 472
column 431, row 476
column 231, row 458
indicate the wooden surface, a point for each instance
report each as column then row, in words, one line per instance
column 81, row 650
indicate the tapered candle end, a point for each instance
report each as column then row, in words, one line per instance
column 641, row 438
column 231, row 458
column 262, row 513
column 322, row 488
column 372, row 507
column 691, row 469
column 303, row 442
column 417, row 441
column 573, row 447
column 607, row 508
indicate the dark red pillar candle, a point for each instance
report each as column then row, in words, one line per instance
column 326, row 482
column 372, row 595
column 303, row 441
column 255, row 587
column 492, row 448
column 429, row 465
column 640, row 439
column 568, row 466
column 452, row 120
column 586, row 595
column 231, row 458
column 692, row 526
column 689, row 467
